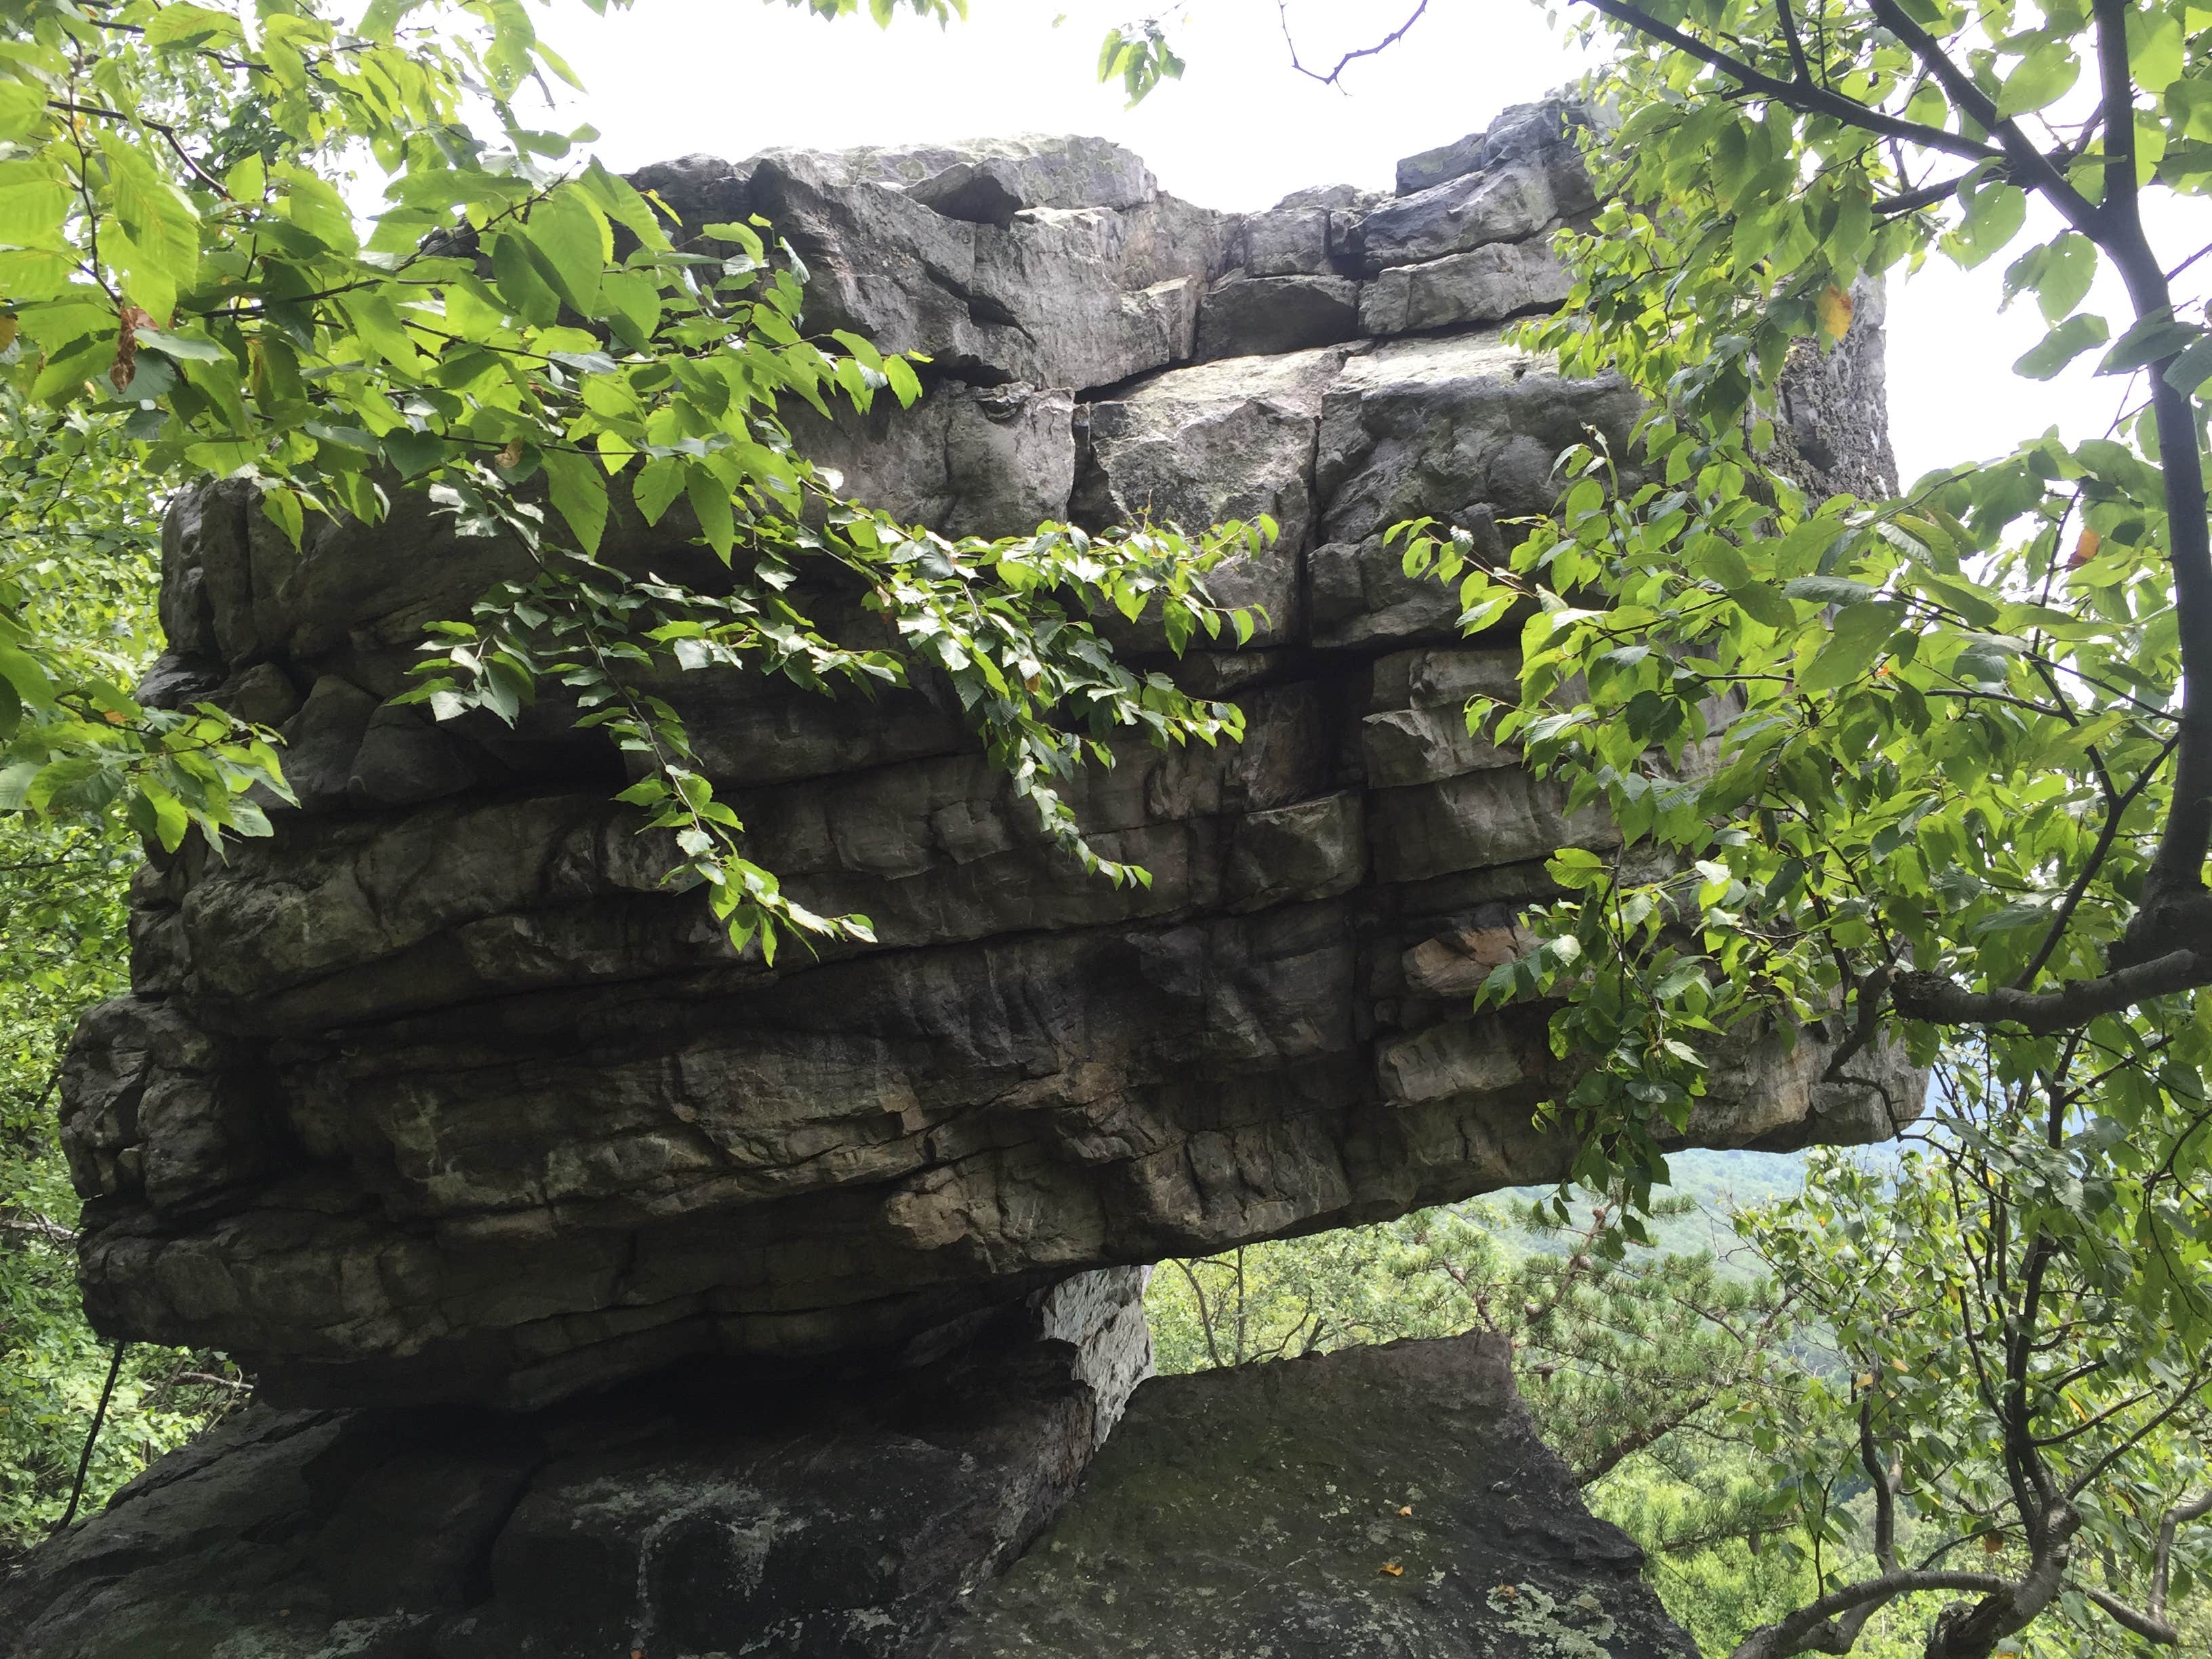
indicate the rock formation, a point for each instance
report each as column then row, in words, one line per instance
column 1233, row 1514
column 438, row 1095
column 818, row 1286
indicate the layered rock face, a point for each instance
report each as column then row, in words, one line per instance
column 438, row 1095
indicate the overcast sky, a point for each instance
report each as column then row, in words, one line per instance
column 1241, row 129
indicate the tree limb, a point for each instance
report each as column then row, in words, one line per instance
column 1940, row 1000
column 1283, row 13
column 1813, row 100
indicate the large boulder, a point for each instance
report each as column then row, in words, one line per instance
column 1378, row 1501
column 686, row 1517
column 438, row 1093
column 1388, row 1502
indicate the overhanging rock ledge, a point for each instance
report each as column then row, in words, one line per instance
column 438, row 1095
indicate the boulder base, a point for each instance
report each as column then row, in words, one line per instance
column 1233, row 1514
column 1388, row 1502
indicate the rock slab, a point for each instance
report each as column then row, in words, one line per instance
column 1387, row 1503
column 683, row 1517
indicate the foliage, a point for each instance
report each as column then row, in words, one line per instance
column 1826, row 1413
column 1935, row 771
column 1615, row 1350
column 522, row 337
column 78, row 547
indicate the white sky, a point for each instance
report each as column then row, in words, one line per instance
column 1240, row 129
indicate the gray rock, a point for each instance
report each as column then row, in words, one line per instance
column 1287, row 242
column 1200, row 446
column 1833, row 425
column 1537, row 129
column 1431, row 427
column 321, row 741
column 1070, row 296
column 1252, row 316
column 176, row 681
column 1488, row 285
column 1440, row 165
column 684, row 1518
column 991, row 462
column 1388, row 1502
column 440, row 1092
column 1507, row 203
column 1028, row 170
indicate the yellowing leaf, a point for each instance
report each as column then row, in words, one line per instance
column 1835, row 307
column 2084, row 549
column 1393, row 1569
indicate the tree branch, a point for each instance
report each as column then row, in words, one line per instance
column 1808, row 98
column 1283, row 15
column 1940, row 1000
column 1801, row 1630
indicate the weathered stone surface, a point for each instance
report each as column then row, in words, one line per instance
column 1012, row 286
column 439, row 1094
column 993, row 461
column 1488, row 285
column 1253, row 316
column 1435, row 426
column 1507, row 203
column 685, row 1518
column 1228, row 440
column 1521, row 130
column 875, row 1518
column 1834, row 425
column 991, row 179
column 1387, row 1503
column 1287, row 242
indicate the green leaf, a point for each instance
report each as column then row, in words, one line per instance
column 1763, row 603
column 159, row 224
column 2154, row 47
column 570, row 240
column 22, row 107
column 1995, row 213
column 284, row 511
column 515, row 275
column 184, row 25
column 660, row 481
column 579, row 488
column 1860, row 633
column 1830, row 590
column 28, row 678
column 2151, row 340
column 2060, row 347
column 2043, row 76
column 312, row 204
column 904, row 384
column 180, row 347
column 34, row 203
column 2068, row 269
column 412, row 452
column 2192, row 368
column 710, row 500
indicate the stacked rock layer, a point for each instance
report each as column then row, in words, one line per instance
column 439, row 1094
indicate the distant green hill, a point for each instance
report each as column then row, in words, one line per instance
column 1720, row 1183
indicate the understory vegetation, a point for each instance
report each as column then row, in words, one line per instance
column 1684, row 1382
